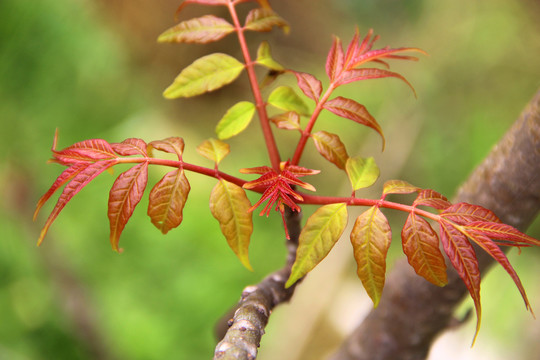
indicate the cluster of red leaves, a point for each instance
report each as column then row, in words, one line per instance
column 278, row 187
column 87, row 159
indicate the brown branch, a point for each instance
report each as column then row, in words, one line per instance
column 412, row 312
column 246, row 327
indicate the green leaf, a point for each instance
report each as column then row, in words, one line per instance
column 167, row 200
column 230, row 206
column 236, row 120
column 264, row 58
column 200, row 30
column 284, row 98
column 322, row 230
column 398, row 187
column 214, row 150
column 362, row 172
column 331, row 148
column 370, row 238
column 208, row 73
column 263, row 19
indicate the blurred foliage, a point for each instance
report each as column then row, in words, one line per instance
column 72, row 66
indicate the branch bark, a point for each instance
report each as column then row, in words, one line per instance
column 246, row 327
column 413, row 312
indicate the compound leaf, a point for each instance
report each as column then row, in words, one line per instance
column 322, row 230
column 208, row 73
column 284, row 98
column 124, row 196
column 354, row 111
column 235, row 120
column 331, row 148
column 214, row 150
column 230, row 206
column 371, row 237
column 421, row 246
column 167, row 200
column 202, row 30
column 362, row 172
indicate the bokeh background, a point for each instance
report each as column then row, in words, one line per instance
column 93, row 69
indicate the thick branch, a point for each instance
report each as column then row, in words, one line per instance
column 413, row 312
column 246, row 327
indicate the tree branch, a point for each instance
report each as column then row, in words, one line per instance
column 413, row 312
column 246, row 327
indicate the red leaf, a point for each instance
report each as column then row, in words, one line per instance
column 79, row 180
column 463, row 213
column 167, row 200
column 421, row 245
column 503, row 232
column 88, row 150
column 125, row 194
column 492, row 249
column 463, row 258
column 352, row 110
column 171, row 145
column 131, row 146
column 334, row 60
column 353, row 75
column 433, row 199
column 288, row 121
column 309, row 84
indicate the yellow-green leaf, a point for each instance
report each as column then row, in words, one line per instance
column 235, row 120
column 370, row 238
column 331, row 148
column 264, row 57
column 206, row 74
column 214, row 150
column 323, row 229
column 285, row 98
column 230, row 206
column 167, row 200
column 398, row 187
column 362, row 172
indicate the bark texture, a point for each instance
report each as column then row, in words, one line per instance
column 413, row 312
column 244, row 330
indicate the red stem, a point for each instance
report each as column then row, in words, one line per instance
column 271, row 146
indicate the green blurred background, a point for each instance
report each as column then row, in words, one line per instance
column 92, row 69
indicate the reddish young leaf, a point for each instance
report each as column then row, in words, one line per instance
column 371, row 237
column 79, row 180
column 124, row 196
column 264, row 19
column 398, row 187
column 132, row 146
column 331, row 148
column 352, row 110
column 463, row 213
column 506, row 233
column 167, row 200
column 230, row 206
column 492, row 249
column 309, row 84
column 354, row 75
column 202, row 30
column 288, row 121
column 88, row 151
column 421, row 245
column 463, row 258
column 334, row 60
column 433, row 199
column 321, row 232
column 171, row 145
